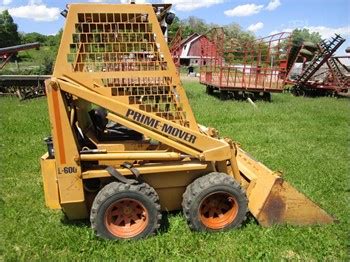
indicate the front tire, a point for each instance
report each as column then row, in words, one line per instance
column 214, row 202
column 123, row 211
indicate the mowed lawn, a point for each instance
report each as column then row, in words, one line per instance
column 308, row 139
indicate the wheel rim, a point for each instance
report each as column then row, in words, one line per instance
column 218, row 210
column 126, row 218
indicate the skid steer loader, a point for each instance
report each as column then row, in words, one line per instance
column 126, row 146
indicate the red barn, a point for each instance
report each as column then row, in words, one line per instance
column 190, row 49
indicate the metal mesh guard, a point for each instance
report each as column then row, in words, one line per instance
column 122, row 42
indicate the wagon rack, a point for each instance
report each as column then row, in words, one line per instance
column 313, row 81
column 23, row 86
column 254, row 69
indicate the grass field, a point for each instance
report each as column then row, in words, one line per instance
column 307, row 139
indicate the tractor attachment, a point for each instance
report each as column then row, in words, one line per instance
column 273, row 200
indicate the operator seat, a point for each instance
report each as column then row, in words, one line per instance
column 109, row 131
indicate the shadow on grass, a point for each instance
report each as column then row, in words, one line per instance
column 241, row 96
column 164, row 222
column 77, row 223
column 249, row 219
column 164, row 226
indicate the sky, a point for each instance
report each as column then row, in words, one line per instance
column 262, row 17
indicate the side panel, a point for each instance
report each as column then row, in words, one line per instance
column 168, row 179
column 171, row 186
column 69, row 180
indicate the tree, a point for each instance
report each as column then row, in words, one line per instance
column 196, row 25
column 189, row 26
column 235, row 32
column 47, row 63
column 304, row 35
column 33, row 37
column 49, row 58
column 8, row 30
column 172, row 29
column 56, row 41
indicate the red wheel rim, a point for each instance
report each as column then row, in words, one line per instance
column 218, row 210
column 126, row 218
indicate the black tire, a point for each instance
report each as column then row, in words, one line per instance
column 231, row 203
column 267, row 96
column 224, row 95
column 209, row 90
column 295, row 91
column 139, row 208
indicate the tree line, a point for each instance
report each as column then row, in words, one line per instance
column 196, row 25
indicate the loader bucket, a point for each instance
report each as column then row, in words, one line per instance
column 273, row 200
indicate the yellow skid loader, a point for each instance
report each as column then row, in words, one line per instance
column 126, row 146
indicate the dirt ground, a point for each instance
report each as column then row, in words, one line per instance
column 187, row 78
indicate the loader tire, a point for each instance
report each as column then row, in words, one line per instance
column 214, row 202
column 124, row 211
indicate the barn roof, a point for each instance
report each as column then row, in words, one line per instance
column 189, row 38
column 186, row 44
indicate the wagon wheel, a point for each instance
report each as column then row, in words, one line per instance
column 224, row 95
column 295, row 90
column 122, row 211
column 214, row 202
column 209, row 90
column 267, row 96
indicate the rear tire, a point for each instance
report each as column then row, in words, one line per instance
column 123, row 211
column 214, row 202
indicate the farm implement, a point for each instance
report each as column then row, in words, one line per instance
column 7, row 52
column 254, row 69
column 125, row 143
column 22, row 86
column 322, row 72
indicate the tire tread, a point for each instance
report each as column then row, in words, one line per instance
column 117, row 187
column 205, row 182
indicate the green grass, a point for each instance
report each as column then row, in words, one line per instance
column 307, row 139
